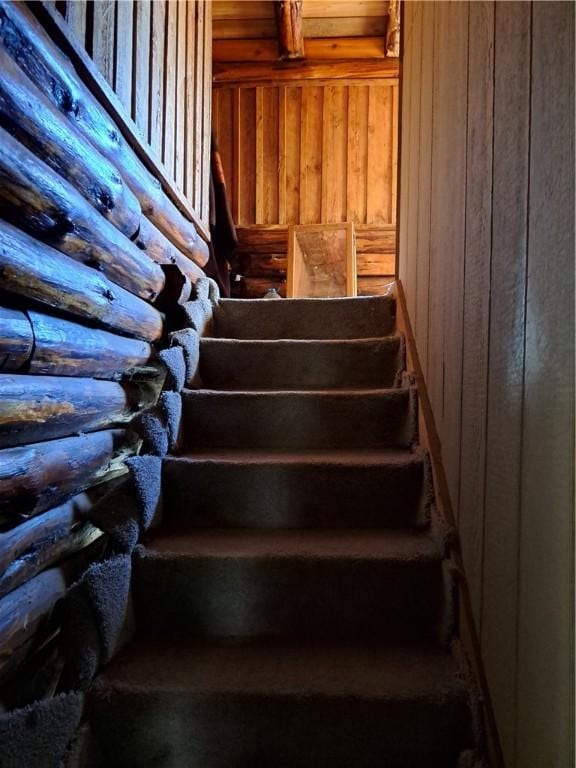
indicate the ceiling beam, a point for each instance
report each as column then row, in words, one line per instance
column 289, row 25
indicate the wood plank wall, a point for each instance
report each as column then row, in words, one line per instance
column 156, row 55
column 487, row 262
column 309, row 153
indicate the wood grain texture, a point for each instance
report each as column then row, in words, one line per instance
column 352, row 26
column 506, row 364
column 34, row 408
column 300, row 153
column 288, row 15
column 497, row 331
column 246, row 73
column 47, row 206
column 36, row 271
column 141, row 69
column 157, row 79
column 476, row 327
column 104, row 17
column 37, row 477
column 425, row 182
column 546, row 598
column 317, row 49
column 31, row 118
column 16, row 339
column 65, row 348
column 170, row 93
column 202, row 139
column 52, row 72
column 124, row 53
column 311, row 155
column 76, row 19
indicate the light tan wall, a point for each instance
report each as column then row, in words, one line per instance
column 487, row 261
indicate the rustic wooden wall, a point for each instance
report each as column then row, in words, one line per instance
column 487, row 261
column 311, row 152
column 94, row 259
column 156, row 57
column 254, row 19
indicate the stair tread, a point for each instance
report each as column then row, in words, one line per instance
column 392, row 340
column 392, row 544
column 331, row 392
column 360, row 457
column 181, row 663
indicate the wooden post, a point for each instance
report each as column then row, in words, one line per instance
column 289, row 24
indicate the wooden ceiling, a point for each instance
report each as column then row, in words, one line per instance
column 245, row 30
column 244, row 19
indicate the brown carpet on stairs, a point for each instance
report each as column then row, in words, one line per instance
column 292, row 609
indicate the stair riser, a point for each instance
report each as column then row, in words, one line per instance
column 306, row 597
column 299, row 420
column 300, row 365
column 294, row 495
column 365, row 318
column 276, row 732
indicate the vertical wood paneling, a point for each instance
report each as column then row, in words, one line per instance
column 501, row 332
column 157, row 76
column 379, row 182
column 170, row 95
column 334, row 138
column 311, row 155
column 204, row 141
column 546, row 599
column 225, row 130
column 103, row 39
column 414, row 55
column 124, row 54
column 506, row 362
column 282, row 202
column 199, row 101
column 408, row 56
column 141, row 105
column 476, row 293
column 357, row 153
column 190, row 148
column 421, row 289
column 180, row 127
column 156, row 55
column 76, row 19
column 292, row 146
column 452, row 162
column 314, row 146
column 268, row 165
column 247, row 160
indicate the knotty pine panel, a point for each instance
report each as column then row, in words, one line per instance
column 308, row 153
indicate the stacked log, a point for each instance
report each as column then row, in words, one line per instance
column 29, row 46
column 94, row 262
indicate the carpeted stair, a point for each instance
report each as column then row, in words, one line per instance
column 296, row 607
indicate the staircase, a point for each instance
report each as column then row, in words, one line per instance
column 296, row 608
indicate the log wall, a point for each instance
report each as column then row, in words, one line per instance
column 156, row 59
column 96, row 254
column 487, row 262
column 318, row 147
